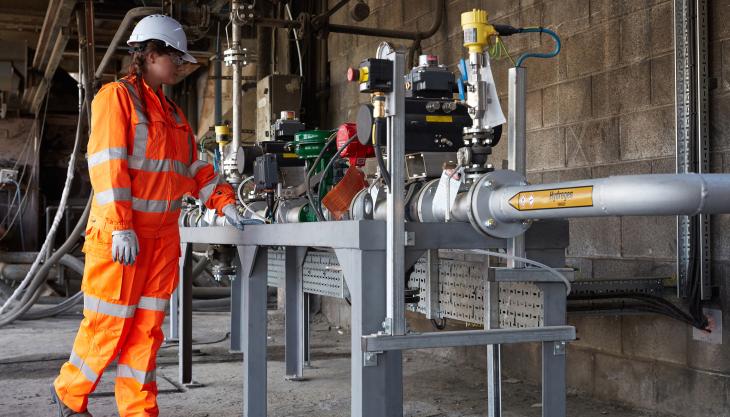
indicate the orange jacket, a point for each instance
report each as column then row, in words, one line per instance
column 142, row 161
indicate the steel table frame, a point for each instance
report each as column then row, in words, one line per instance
column 376, row 377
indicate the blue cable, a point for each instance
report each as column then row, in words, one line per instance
column 555, row 51
column 215, row 159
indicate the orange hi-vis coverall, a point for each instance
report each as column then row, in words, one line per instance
column 142, row 160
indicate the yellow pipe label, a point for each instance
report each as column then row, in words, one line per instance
column 555, row 198
column 439, row 119
column 289, row 155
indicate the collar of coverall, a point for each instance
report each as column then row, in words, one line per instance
column 159, row 94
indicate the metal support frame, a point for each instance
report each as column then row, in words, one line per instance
column 360, row 246
column 295, row 313
column 553, row 352
column 517, row 144
column 185, row 296
column 692, row 130
column 395, row 321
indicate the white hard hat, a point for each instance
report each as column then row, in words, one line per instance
column 162, row 28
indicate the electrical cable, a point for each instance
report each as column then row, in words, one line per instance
column 551, row 54
column 379, row 152
column 211, row 342
column 553, row 271
column 335, row 157
column 308, row 177
column 337, row 154
column 243, row 203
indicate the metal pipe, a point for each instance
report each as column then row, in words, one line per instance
column 364, row 31
column 121, row 31
column 630, row 195
column 218, row 73
column 230, row 166
column 398, row 34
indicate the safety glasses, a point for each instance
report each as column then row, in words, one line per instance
column 176, row 58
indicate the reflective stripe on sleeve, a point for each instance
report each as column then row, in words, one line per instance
column 106, row 155
column 112, row 195
column 208, row 189
column 197, row 166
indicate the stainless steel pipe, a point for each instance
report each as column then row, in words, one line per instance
column 500, row 205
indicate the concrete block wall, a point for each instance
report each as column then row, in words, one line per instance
column 603, row 107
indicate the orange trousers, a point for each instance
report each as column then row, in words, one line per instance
column 124, row 308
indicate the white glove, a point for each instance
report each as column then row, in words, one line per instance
column 125, row 246
column 235, row 218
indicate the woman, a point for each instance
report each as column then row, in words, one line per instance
column 141, row 157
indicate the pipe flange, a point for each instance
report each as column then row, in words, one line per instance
column 361, row 206
column 424, row 202
column 480, row 213
column 235, row 56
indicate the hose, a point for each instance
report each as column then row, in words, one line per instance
column 308, row 177
column 32, row 294
column 551, row 54
column 50, row 237
column 243, row 203
column 75, row 265
column 553, row 271
column 379, row 152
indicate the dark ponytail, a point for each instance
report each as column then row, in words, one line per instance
column 139, row 53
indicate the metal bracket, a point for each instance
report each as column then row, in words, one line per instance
column 388, row 325
column 559, row 348
column 370, row 358
column 410, row 238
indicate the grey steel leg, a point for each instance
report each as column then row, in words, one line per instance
column 376, row 381
column 553, row 353
column 174, row 321
column 295, row 316
column 236, row 309
column 494, row 363
column 185, row 295
column 307, row 321
column 253, row 324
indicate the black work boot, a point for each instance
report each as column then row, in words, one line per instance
column 63, row 410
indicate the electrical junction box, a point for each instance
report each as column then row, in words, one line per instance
column 8, row 176
column 274, row 94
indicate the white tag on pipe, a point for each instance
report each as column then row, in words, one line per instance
column 494, row 116
column 448, row 187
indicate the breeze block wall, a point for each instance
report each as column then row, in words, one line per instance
column 604, row 106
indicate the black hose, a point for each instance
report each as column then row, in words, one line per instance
column 308, row 177
column 377, row 139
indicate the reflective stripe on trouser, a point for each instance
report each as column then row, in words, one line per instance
column 124, row 307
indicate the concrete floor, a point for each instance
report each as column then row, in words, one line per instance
column 32, row 352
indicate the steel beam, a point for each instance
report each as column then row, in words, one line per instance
column 376, row 380
column 185, row 296
column 430, row 340
column 253, row 325
column 295, row 314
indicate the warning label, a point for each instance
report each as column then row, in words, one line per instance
column 553, row 199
